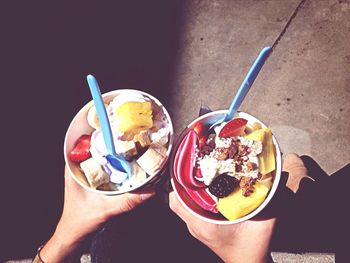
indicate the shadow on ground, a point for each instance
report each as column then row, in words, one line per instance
column 315, row 218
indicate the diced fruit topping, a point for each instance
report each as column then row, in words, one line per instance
column 236, row 205
column 153, row 158
column 209, row 145
column 267, row 162
column 134, row 116
column 233, row 128
column 230, row 163
column 94, row 173
column 92, row 117
column 126, row 148
column 201, row 132
column 199, row 129
column 142, row 139
column 81, row 150
column 223, row 185
column 256, row 126
column 201, row 142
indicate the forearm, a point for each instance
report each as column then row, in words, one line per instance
column 57, row 250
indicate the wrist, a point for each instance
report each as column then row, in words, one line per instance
column 58, row 248
column 232, row 255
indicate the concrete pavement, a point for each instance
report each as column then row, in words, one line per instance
column 303, row 90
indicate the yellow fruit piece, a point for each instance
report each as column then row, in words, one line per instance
column 267, row 162
column 256, row 126
column 257, row 135
column 236, row 205
column 134, row 116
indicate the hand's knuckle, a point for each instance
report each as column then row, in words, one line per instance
column 173, row 204
column 130, row 202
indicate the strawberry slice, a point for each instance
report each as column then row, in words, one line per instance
column 201, row 142
column 234, row 127
column 184, row 162
column 200, row 129
column 81, row 150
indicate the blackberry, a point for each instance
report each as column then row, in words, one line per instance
column 223, row 185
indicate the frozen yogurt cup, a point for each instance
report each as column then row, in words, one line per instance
column 194, row 169
column 142, row 132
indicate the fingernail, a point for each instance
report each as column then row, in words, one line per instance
column 146, row 196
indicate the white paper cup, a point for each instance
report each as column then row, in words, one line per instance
column 80, row 126
column 193, row 207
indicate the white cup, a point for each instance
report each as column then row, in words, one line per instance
column 80, row 126
column 193, row 207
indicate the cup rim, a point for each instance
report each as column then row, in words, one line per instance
column 272, row 190
column 112, row 94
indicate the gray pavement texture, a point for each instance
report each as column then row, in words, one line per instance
column 303, row 90
column 276, row 256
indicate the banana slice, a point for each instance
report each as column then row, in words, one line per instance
column 161, row 136
column 139, row 175
column 142, row 138
column 94, row 173
column 153, row 158
column 92, row 117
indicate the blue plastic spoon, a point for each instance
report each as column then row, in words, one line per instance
column 118, row 162
column 245, row 86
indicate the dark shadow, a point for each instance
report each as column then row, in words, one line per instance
column 47, row 49
column 151, row 233
column 316, row 218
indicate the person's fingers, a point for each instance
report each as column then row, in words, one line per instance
column 179, row 209
column 198, row 228
column 66, row 171
column 129, row 201
column 175, row 205
column 69, row 182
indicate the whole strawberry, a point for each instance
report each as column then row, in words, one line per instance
column 81, row 150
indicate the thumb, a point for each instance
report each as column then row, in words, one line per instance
column 132, row 200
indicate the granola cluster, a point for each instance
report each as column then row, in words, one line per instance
column 233, row 156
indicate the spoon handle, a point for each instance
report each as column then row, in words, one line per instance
column 247, row 82
column 101, row 113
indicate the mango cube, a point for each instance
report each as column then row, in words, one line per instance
column 267, row 162
column 134, row 116
column 236, row 205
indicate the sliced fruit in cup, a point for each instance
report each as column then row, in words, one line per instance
column 231, row 174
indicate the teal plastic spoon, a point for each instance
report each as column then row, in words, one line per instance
column 245, row 86
column 118, row 162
